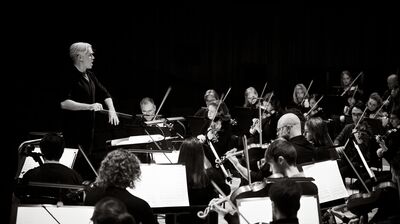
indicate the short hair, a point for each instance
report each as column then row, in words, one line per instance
column 146, row 100
column 285, row 195
column 120, row 168
column 110, row 210
column 375, row 96
column 79, row 47
column 52, row 146
column 360, row 105
column 281, row 147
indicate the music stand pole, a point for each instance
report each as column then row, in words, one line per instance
column 87, row 160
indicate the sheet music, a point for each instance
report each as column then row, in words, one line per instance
column 67, row 159
column 137, row 139
column 160, row 158
column 328, row 180
column 257, row 210
column 36, row 214
column 162, row 185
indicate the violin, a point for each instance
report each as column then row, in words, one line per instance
column 212, row 132
column 252, row 190
column 361, row 203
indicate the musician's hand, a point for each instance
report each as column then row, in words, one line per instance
column 96, row 106
column 340, row 149
column 201, row 138
column 113, row 118
column 261, row 163
column 215, row 205
column 379, row 152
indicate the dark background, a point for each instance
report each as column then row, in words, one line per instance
column 142, row 51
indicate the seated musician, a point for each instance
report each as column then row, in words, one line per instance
column 199, row 178
column 119, row 170
column 281, row 157
column 392, row 94
column 390, row 142
column 51, row 171
column 300, row 99
column 250, row 97
column 373, row 104
column 316, row 132
column 317, row 110
column 270, row 116
column 218, row 130
column 210, row 96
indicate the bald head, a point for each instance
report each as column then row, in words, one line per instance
column 289, row 125
column 393, row 81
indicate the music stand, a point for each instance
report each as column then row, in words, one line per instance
column 195, row 125
column 244, row 117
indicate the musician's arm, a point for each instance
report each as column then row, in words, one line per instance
column 75, row 106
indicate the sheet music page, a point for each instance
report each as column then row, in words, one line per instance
column 257, row 210
column 64, row 214
column 160, row 158
column 328, row 180
column 162, row 185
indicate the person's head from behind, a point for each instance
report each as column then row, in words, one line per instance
column 374, row 101
column 82, row 54
column 357, row 111
column 210, row 96
column 52, row 146
column 289, row 125
column 250, row 96
column 192, row 155
column 316, row 131
column 148, row 108
column 345, row 78
column 285, row 197
column 280, row 155
column 299, row 93
column 120, row 168
column 110, row 210
column 393, row 81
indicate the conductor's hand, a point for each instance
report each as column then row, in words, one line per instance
column 96, row 106
column 113, row 118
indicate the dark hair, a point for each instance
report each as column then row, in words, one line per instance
column 319, row 131
column 110, row 210
column 360, row 105
column 52, row 146
column 192, row 155
column 281, row 147
column 396, row 111
column 286, row 196
column 276, row 104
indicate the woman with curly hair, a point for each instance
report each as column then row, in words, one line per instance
column 119, row 170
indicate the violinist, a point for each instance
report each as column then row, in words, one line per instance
column 316, row 132
column 315, row 109
column 281, row 158
column 392, row 94
column 210, row 96
column 271, row 112
column 250, row 97
column 300, row 99
column 390, row 142
column 349, row 91
column 373, row 104
column 217, row 129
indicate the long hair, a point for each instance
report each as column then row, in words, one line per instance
column 246, row 95
column 297, row 87
column 192, row 155
column 319, row 131
column 120, row 168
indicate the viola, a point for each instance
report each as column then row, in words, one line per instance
column 252, row 190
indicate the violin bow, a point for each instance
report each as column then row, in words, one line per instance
column 315, row 105
column 351, row 84
column 380, row 108
column 308, row 89
column 218, row 161
column 228, row 200
column 262, row 93
column 119, row 114
column 162, row 102
column 246, row 156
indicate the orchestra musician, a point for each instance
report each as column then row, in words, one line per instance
column 300, row 98
column 210, row 96
column 217, row 128
column 373, row 104
column 393, row 91
column 390, row 142
column 250, row 97
column 350, row 91
column 315, row 109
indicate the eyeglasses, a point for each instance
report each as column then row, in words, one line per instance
column 285, row 126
